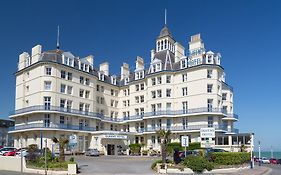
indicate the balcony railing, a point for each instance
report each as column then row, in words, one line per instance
column 52, row 126
column 124, row 119
column 181, row 128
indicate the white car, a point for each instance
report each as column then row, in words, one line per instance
column 6, row 149
column 265, row 160
column 24, row 152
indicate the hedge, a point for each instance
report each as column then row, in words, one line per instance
column 135, row 148
column 198, row 163
column 172, row 146
column 230, row 158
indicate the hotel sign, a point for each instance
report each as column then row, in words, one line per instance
column 115, row 136
column 207, row 133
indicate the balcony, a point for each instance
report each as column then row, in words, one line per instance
column 52, row 126
column 42, row 108
column 181, row 128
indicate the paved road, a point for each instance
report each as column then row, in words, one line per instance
column 13, row 173
column 275, row 169
column 121, row 165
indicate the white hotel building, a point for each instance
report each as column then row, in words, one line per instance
column 59, row 94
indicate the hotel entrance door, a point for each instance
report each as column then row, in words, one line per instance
column 110, row 149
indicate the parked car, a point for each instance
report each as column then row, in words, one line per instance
column 10, row 153
column 92, row 152
column 273, row 161
column 6, row 149
column 23, row 151
column 265, row 160
column 278, row 161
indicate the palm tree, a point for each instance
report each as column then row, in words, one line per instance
column 165, row 139
column 62, row 143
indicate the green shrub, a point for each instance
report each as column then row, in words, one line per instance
column 71, row 159
column 135, row 148
column 230, row 158
column 194, row 145
column 153, row 165
column 172, row 146
column 198, row 163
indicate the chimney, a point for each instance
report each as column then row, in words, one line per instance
column 104, row 67
column 152, row 54
column 195, row 43
column 22, row 58
column 179, row 51
column 36, row 53
column 125, row 71
column 139, row 63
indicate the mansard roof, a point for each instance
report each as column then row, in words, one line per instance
column 165, row 32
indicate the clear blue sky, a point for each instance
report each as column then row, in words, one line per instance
column 246, row 33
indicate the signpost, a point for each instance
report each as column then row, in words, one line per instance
column 184, row 143
column 72, row 142
column 207, row 135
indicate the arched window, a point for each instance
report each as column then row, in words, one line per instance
column 165, row 46
column 162, row 45
column 158, row 46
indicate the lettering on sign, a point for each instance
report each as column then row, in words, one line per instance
column 207, row 133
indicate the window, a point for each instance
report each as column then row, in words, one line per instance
column 47, row 103
column 87, row 81
column 141, row 98
column 98, row 99
column 101, row 76
column 184, row 77
column 111, row 103
column 183, row 63
column 185, row 122
column 224, row 96
column 153, row 138
column 159, row 93
column 62, row 88
column 224, row 109
column 153, row 108
column 68, row 105
column 101, row 100
column 142, row 111
column 210, row 105
column 81, row 106
column 81, row 80
column 62, row 74
column 47, row 120
column 153, row 81
column 69, row 90
column 142, row 86
column 62, row 103
column 98, row 87
column 137, row 111
column 137, row 99
column 48, row 71
column 69, row 76
column 210, row 121
column 153, row 94
column 209, row 88
column 62, row 120
column 168, row 106
column 87, row 94
column 137, row 87
column 126, row 81
column 159, row 80
column 159, row 106
column 101, row 88
column 81, row 93
column 209, row 73
column 124, row 103
column 168, row 79
column 169, row 123
column 185, row 107
column 168, row 92
column 47, row 85
column 184, row 91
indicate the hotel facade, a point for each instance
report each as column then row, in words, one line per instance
column 59, row 94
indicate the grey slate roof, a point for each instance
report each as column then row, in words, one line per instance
column 165, row 32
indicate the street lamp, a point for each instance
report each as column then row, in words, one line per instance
column 251, row 150
column 259, row 153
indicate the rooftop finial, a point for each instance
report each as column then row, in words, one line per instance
column 58, row 38
column 165, row 17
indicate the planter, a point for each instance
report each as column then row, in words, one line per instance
column 72, row 168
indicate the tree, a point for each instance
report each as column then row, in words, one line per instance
column 62, row 143
column 165, row 139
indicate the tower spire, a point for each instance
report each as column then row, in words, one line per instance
column 58, row 38
column 165, row 17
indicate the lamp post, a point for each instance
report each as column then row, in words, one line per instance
column 259, row 153
column 252, row 142
column 45, row 156
column 21, row 156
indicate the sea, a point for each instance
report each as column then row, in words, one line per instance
column 268, row 154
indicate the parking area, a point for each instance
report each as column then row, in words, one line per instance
column 118, row 165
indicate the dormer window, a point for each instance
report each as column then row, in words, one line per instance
column 101, row 76
column 113, row 80
column 126, row 80
column 68, row 61
column 27, row 61
column 139, row 74
column 183, row 63
column 156, row 67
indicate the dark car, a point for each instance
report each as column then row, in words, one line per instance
column 278, row 161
